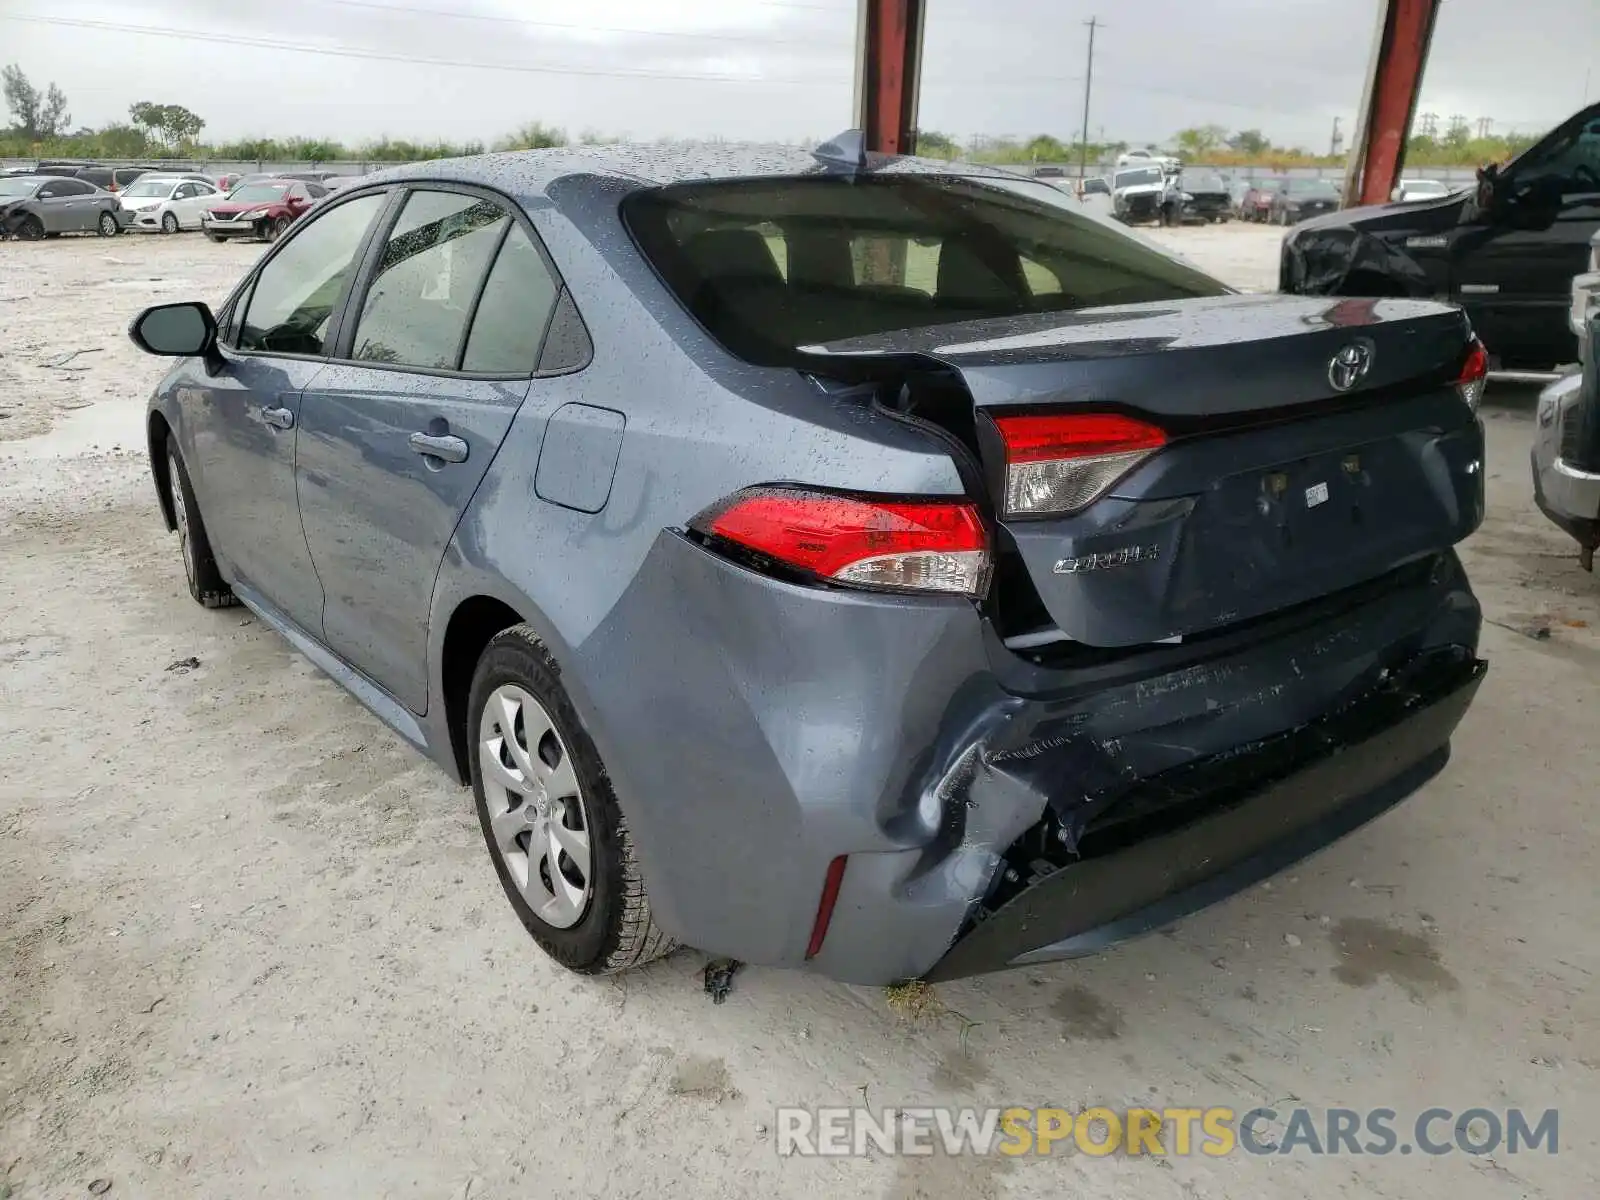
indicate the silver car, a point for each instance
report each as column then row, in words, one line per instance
column 36, row 206
column 1566, row 445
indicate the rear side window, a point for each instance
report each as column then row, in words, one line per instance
column 426, row 280
column 771, row 265
column 512, row 313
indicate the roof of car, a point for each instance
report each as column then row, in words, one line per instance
column 530, row 172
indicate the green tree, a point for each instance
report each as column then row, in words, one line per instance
column 170, row 124
column 1250, row 141
column 535, row 135
column 38, row 117
column 1200, row 140
column 933, row 144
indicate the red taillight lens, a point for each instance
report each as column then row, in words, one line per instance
column 903, row 545
column 1058, row 463
column 1474, row 375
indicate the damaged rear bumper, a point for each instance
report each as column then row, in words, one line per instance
column 1258, row 812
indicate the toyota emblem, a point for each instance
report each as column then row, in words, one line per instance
column 1350, row 366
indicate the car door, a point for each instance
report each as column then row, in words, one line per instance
column 440, row 344
column 241, row 422
column 188, row 201
column 62, row 205
column 1512, row 262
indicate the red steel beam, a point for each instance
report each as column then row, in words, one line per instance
column 1377, row 155
column 888, row 70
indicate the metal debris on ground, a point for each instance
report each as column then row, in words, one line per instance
column 184, row 665
column 719, row 978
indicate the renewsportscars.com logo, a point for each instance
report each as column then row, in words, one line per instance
column 1215, row 1131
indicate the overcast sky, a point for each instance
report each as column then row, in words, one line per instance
column 782, row 68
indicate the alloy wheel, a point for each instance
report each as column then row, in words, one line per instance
column 108, row 225
column 169, row 223
column 539, row 824
column 180, row 516
column 31, row 230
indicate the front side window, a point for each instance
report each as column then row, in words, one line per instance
column 886, row 252
column 427, row 277
column 295, row 295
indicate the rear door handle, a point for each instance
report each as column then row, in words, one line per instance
column 441, row 446
column 278, row 418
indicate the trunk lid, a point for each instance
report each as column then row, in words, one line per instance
column 1275, row 486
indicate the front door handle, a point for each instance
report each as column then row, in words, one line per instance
column 278, row 418
column 440, row 446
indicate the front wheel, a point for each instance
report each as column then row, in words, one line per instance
column 31, row 230
column 169, row 222
column 108, row 226
column 277, row 229
column 205, row 580
column 558, row 839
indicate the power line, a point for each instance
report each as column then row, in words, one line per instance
column 663, row 33
column 379, row 56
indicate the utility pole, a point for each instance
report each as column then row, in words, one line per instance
column 1088, row 83
column 1336, row 142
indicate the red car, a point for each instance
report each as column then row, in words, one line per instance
column 260, row 210
column 1256, row 204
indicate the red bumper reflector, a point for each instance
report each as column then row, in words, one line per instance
column 830, row 894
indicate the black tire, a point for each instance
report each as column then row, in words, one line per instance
column 107, row 225
column 277, row 229
column 205, row 581
column 169, row 222
column 615, row 931
column 31, row 229
column 215, row 237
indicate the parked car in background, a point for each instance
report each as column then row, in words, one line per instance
column 37, row 206
column 1136, row 194
column 259, row 210
column 1257, row 202
column 227, row 181
column 1095, row 185
column 1295, row 200
column 168, row 203
column 336, row 183
column 1049, row 173
column 1566, row 447
column 1195, row 195
column 1143, row 158
column 649, row 491
column 1421, row 189
column 1506, row 251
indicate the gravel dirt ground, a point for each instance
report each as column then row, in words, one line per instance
column 251, row 946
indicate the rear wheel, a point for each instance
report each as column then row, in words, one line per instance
column 169, row 222
column 205, row 581
column 107, row 225
column 560, row 845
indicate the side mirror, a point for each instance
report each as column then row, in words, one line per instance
column 175, row 330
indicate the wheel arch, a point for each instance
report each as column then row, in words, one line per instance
column 157, row 432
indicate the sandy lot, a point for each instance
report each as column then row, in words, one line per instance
column 250, row 946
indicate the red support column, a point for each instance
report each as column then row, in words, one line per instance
column 1377, row 153
column 888, row 70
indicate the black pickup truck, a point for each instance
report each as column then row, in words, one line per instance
column 1506, row 250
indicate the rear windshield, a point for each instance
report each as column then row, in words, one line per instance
column 1142, row 175
column 769, row 265
column 1318, row 188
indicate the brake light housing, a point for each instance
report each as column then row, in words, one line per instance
column 879, row 543
column 1474, row 375
column 1059, row 463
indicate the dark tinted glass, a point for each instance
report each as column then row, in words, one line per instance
column 421, row 295
column 567, row 346
column 509, row 324
column 773, row 264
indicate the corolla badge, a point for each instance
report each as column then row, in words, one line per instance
column 1350, row 366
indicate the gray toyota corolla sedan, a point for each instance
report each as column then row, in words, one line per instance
column 869, row 564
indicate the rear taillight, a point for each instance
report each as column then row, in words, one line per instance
column 1058, row 463
column 1474, row 375
column 862, row 541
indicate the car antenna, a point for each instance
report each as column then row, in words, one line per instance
column 845, row 154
